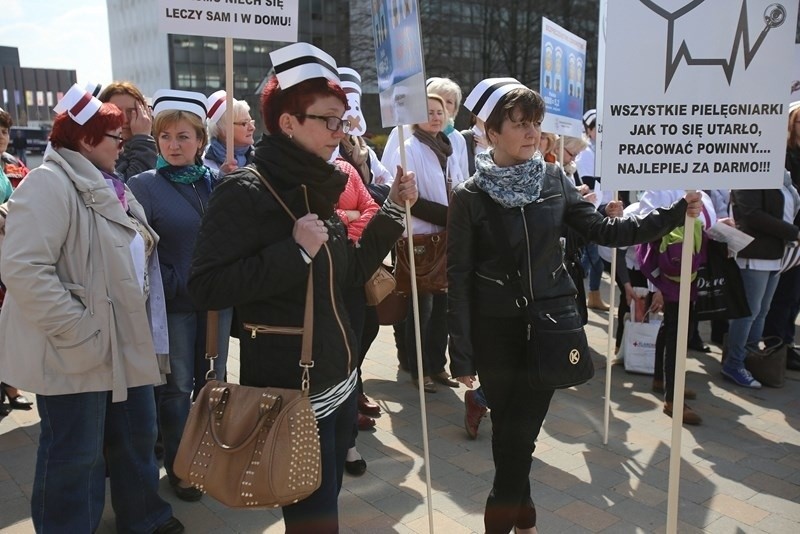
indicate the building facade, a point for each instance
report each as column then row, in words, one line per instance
column 29, row 94
column 466, row 40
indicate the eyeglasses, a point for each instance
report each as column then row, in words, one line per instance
column 250, row 122
column 333, row 124
column 120, row 140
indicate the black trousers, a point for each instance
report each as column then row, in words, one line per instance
column 518, row 411
column 637, row 279
column 667, row 345
column 784, row 307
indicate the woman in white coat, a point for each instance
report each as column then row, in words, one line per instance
column 430, row 156
column 82, row 280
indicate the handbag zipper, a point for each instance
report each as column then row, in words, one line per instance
column 558, row 270
column 256, row 329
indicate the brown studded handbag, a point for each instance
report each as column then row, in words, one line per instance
column 251, row 447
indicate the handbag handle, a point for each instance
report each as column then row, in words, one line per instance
column 212, row 344
column 217, row 409
column 306, row 361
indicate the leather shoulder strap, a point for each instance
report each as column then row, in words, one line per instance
column 306, row 360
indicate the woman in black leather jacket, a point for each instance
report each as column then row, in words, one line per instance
column 487, row 329
column 251, row 255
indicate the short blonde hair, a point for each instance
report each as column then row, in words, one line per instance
column 445, row 87
column 574, row 145
column 216, row 130
column 432, row 96
column 165, row 119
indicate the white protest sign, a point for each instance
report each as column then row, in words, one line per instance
column 398, row 53
column 264, row 20
column 561, row 79
column 695, row 94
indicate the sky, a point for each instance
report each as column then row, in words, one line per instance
column 59, row 34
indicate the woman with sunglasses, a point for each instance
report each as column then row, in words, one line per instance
column 175, row 198
column 81, row 269
column 243, row 129
column 252, row 255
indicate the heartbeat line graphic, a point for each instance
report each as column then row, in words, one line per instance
column 774, row 16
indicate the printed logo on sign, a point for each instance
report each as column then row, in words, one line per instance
column 774, row 16
column 644, row 344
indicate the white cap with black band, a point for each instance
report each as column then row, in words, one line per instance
column 217, row 105
column 590, row 118
column 79, row 104
column 299, row 62
column 485, row 96
column 173, row 99
column 350, row 80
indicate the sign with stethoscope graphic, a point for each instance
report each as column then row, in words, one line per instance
column 698, row 105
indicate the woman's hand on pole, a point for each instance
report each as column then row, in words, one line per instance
column 310, row 233
column 404, row 188
column 694, row 200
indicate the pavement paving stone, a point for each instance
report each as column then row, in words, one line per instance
column 740, row 472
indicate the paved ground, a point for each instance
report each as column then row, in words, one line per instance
column 741, row 472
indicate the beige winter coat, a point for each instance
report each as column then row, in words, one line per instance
column 74, row 319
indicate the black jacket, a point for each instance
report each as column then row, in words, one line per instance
column 475, row 273
column 759, row 213
column 246, row 257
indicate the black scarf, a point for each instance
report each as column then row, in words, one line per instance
column 288, row 167
column 439, row 143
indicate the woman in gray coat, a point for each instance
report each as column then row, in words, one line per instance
column 82, row 280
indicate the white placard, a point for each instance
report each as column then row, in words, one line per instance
column 265, row 20
column 702, row 101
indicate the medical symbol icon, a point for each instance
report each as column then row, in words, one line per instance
column 774, row 16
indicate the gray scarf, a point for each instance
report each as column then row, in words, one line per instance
column 511, row 187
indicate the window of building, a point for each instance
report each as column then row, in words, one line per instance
column 187, row 80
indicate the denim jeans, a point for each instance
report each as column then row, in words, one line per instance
column 517, row 412
column 69, row 484
column 592, row 264
column 759, row 287
column 319, row 513
column 433, row 335
column 187, row 345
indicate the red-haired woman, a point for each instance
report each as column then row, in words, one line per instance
column 250, row 254
column 82, row 279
